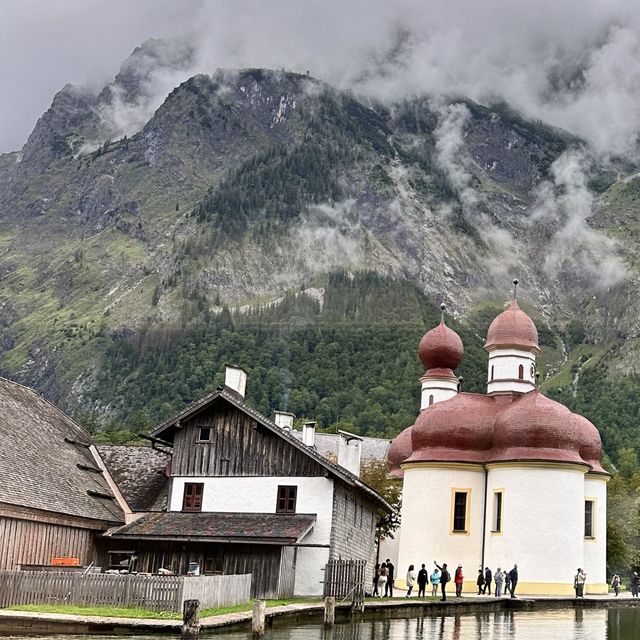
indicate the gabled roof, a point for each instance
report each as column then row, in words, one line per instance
column 266, row 528
column 166, row 430
column 45, row 461
column 139, row 473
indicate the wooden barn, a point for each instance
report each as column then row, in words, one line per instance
column 245, row 495
column 54, row 499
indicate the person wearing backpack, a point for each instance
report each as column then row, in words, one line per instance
column 445, row 577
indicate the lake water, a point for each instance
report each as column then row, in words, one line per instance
column 562, row 624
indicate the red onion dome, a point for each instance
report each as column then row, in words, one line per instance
column 455, row 430
column 399, row 451
column 441, row 348
column 591, row 445
column 535, row 427
column 512, row 328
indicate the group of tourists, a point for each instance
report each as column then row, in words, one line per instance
column 384, row 576
column 634, row 584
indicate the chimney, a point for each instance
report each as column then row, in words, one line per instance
column 235, row 379
column 350, row 452
column 284, row 420
column 308, row 433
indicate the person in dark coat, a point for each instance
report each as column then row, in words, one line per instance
column 388, row 588
column 376, row 577
column 635, row 584
column 488, row 577
column 423, row 578
column 513, row 580
column 480, row 582
column 445, row 577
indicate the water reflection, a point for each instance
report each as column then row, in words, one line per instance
column 561, row 624
column 576, row 624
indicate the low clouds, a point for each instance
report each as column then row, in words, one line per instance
column 573, row 64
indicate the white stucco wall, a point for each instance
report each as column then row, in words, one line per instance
column 440, row 389
column 505, row 363
column 259, row 495
column 542, row 525
column 427, row 515
column 595, row 550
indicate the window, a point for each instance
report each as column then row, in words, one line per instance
column 286, row 502
column 588, row 519
column 430, row 399
column 204, row 434
column 492, row 372
column 497, row 512
column 460, row 504
column 192, row 498
column 214, row 564
column 520, row 372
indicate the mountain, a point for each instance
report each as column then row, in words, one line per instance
column 169, row 221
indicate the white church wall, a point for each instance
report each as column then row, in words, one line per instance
column 542, row 525
column 503, row 371
column 436, row 390
column 427, row 506
column 595, row 548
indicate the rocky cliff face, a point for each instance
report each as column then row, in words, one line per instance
column 244, row 184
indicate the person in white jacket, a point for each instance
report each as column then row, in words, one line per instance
column 411, row 578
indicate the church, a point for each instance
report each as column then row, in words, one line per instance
column 502, row 478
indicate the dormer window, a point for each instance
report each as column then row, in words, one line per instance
column 204, row 434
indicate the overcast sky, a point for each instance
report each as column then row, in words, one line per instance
column 573, row 63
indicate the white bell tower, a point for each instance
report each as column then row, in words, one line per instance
column 512, row 344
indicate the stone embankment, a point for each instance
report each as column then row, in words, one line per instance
column 32, row 623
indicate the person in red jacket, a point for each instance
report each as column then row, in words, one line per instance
column 458, row 579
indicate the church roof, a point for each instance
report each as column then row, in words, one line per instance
column 441, row 348
column 476, row 428
column 512, row 328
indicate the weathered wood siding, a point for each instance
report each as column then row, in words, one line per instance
column 261, row 561
column 239, row 447
column 30, row 542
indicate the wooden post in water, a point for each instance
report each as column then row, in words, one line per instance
column 329, row 611
column 190, row 618
column 258, row 618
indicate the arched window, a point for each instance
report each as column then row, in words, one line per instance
column 520, row 372
column 430, row 400
column 492, row 372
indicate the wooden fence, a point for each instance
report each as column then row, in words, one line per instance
column 345, row 579
column 159, row 593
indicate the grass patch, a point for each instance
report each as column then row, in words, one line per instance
column 133, row 612
column 105, row 612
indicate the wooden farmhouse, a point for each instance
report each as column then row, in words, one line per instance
column 54, row 500
column 243, row 495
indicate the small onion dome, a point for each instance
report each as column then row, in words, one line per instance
column 512, row 328
column 533, row 428
column 441, row 348
column 591, row 445
column 455, row 430
column 399, row 451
